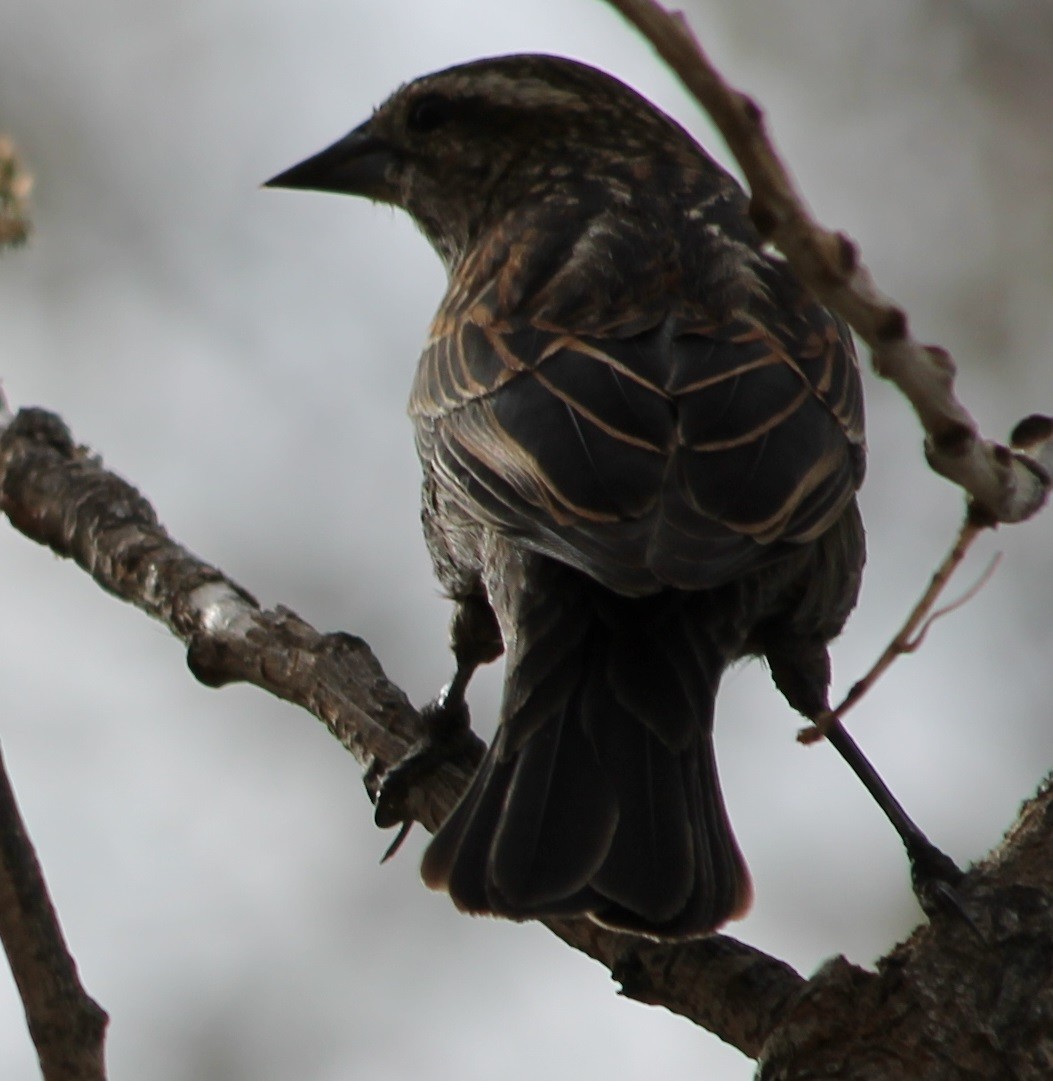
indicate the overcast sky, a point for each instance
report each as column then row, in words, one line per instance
column 244, row 357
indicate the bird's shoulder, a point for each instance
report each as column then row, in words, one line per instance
column 687, row 346
column 672, row 431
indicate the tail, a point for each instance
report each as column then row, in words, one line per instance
column 599, row 795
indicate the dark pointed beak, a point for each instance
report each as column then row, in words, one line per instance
column 357, row 164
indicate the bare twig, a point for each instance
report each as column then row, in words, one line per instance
column 910, row 635
column 1009, row 485
column 66, row 1024
column 915, row 642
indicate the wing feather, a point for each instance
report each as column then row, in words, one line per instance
column 683, row 454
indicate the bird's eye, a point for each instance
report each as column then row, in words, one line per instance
column 429, row 113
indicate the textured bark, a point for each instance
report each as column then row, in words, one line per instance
column 969, row 995
column 966, row 997
column 67, row 1025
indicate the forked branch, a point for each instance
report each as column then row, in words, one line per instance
column 910, row 635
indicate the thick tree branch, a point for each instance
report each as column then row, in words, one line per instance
column 1009, row 484
column 59, row 494
column 963, row 998
column 67, row 1025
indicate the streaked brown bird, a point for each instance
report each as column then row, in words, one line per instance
column 641, row 440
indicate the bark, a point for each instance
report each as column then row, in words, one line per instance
column 67, row 1026
column 969, row 995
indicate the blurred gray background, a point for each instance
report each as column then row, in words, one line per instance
column 244, row 357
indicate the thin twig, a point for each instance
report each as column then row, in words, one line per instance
column 959, row 602
column 909, row 636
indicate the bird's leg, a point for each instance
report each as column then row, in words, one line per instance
column 933, row 873
column 475, row 639
column 803, row 675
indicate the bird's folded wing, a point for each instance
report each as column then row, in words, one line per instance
column 680, row 455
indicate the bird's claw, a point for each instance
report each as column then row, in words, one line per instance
column 447, row 737
column 935, row 878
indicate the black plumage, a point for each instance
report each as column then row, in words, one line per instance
column 641, row 441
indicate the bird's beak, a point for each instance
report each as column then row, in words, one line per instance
column 357, row 164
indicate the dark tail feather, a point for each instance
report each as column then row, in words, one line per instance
column 600, row 794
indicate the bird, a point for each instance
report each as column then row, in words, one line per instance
column 641, row 440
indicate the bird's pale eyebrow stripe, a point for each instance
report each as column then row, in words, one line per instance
column 501, row 89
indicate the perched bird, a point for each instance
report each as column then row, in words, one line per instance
column 641, row 440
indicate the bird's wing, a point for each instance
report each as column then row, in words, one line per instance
column 684, row 454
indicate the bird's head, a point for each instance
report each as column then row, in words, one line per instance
column 462, row 148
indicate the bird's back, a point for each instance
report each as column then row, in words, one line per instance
column 676, row 419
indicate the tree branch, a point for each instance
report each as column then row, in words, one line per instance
column 1009, row 484
column 964, row 997
column 66, row 1024
column 60, row 495
column 909, row 637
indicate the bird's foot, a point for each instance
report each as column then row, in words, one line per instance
column 448, row 737
column 935, row 878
